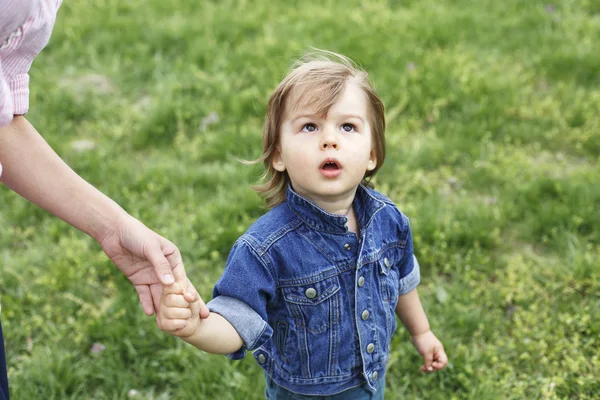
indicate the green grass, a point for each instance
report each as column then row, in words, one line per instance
column 493, row 142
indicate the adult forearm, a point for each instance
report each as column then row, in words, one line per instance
column 411, row 313
column 215, row 335
column 32, row 169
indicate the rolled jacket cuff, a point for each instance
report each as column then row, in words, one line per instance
column 253, row 330
column 410, row 281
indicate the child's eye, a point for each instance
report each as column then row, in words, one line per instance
column 310, row 127
column 348, row 128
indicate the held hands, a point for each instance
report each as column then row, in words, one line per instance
column 149, row 261
column 432, row 350
column 177, row 315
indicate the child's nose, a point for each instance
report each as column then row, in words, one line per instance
column 329, row 140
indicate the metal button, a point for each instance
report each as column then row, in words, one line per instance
column 375, row 375
column 347, row 246
column 386, row 262
column 311, row 293
column 370, row 348
column 261, row 358
column 365, row 316
column 361, row 281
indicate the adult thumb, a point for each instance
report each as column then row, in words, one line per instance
column 161, row 265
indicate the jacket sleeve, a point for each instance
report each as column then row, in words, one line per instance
column 241, row 296
column 410, row 274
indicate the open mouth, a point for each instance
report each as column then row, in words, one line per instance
column 330, row 165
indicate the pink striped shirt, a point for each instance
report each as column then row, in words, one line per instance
column 25, row 28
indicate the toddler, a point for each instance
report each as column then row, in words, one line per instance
column 313, row 286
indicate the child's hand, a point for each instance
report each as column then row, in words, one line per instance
column 176, row 315
column 432, row 350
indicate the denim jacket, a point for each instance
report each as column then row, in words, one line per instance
column 315, row 301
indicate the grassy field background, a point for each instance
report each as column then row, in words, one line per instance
column 493, row 146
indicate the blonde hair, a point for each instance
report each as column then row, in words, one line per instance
column 318, row 80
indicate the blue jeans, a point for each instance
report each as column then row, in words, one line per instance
column 3, row 376
column 275, row 392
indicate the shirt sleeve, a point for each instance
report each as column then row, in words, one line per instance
column 6, row 101
column 6, row 107
column 241, row 296
column 410, row 274
column 25, row 28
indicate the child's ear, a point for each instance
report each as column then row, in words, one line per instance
column 372, row 163
column 277, row 161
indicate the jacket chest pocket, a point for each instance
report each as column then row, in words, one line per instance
column 389, row 275
column 315, row 306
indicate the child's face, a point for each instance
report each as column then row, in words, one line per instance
column 327, row 156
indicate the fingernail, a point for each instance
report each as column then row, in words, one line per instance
column 430, row 368
column 168, row 279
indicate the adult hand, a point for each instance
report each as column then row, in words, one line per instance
column 33, row 170
column 149, row 261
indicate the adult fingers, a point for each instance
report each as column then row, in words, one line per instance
column 173, row 256
column 154, row 253
column 145, row 296
column 156, row 289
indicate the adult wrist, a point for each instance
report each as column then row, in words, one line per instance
column 107, row 221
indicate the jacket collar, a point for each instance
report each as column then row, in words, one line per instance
column 365, row 204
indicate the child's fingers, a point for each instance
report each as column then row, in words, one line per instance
column 175, row 300
column 426, row 368
column 175, row 288
column 204, row 311
column 172, row 325
column 441, row 360
column 437, row 366
column 190, row 292
column 177, row 313
column 434, row 360
column 197, row 304
column 199, row 308
column 427, row 361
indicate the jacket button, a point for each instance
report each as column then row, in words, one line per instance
column 375, row 375
column 361, row 281
column 386, row 262
column 365, row 316
column 370, row 349
column 261, row 358
column 311, row 293
column 347, row 246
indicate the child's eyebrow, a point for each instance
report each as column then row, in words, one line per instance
column 304, row 115
column 351, row 116
column 315, row 116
